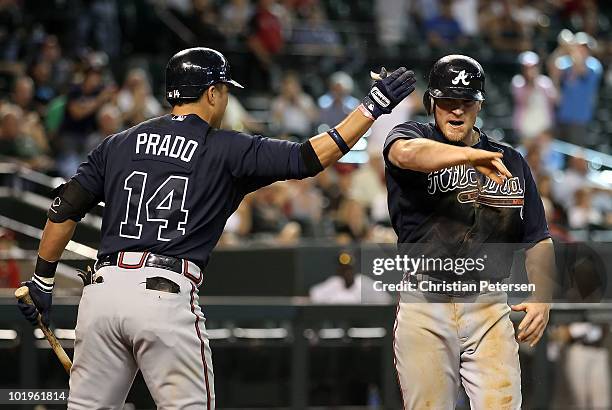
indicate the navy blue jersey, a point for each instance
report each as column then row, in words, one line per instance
column 457, row 206
column 169, row 184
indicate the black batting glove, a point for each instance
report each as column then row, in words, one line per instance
column 388, row 91
column 42, row 299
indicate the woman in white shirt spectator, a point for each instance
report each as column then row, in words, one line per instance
column 293, row 111
column 135, row 100
column 535, row 96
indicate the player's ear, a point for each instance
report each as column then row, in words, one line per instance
column 211, row 95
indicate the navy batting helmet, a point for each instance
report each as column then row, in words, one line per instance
column 455, row 76
column 190, row 72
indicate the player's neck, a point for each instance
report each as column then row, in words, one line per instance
column 197, row 109
column 472, row 138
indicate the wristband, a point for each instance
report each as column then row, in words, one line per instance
column 344, row 148
column 44, row 284
column 45, row 268
column 365, row 112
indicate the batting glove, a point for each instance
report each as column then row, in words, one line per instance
column 388, row 91
column 42, row 298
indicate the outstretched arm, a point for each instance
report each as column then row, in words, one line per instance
column 424, row 155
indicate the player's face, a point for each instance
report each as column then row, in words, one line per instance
column 456, row 117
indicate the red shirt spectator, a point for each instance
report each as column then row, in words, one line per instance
column 9, row 270
column 266, row 28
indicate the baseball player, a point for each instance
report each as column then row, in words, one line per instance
column 450, row 187
column 169, row 185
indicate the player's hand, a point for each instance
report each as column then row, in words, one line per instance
column 489, row 164
column 42, row 304
column 532, row 327
column 388, row 91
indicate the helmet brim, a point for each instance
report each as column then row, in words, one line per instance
column 459, row 93
column 234, row 83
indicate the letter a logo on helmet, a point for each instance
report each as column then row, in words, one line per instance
column 462, row 76
column 455, row 76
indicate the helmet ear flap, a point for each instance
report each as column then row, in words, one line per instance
column 428, row 102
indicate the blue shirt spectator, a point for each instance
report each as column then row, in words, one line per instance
column 578, row 90
column 443, row 30
column 338, row 102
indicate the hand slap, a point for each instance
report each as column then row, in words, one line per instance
column 388, row 91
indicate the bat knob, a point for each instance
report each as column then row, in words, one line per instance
column 378, row 76
column 22, row 292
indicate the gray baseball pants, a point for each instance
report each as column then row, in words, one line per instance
column 441, row 341
column 123, row 327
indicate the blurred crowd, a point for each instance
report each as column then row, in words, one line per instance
column 64, row 91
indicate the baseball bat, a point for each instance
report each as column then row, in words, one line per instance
column 378, row 76
column 23, row 294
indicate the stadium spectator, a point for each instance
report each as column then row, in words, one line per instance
column 22, row 137
column 505, row 31
column 443, row 31
column 235, row 16
column 556, row 217
column 466, row 14
column 586, row 365
column 527, row 15
column 98, row 27
column 551, row 161
column 108, row 122
column 204, row 21
column 347, row 286
column 23, row 93
column 578, row 74
column 9, row 269
column 338, row 102
column 135, row 99
column 572, row 179
column 367, row 183
column 352, row 223
column 44, row 90
column 305, row 205
column 238, row 225
column 581, row 214
column 269, row 221
column 534, row 96
column 60, row 68
column 293, row 112
column 327, row 184
column 237, row 118
column 11, row 30
column 265, row 41
column 394, row 24
column 314, row 35
column 83, row 102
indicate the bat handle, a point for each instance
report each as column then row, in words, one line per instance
column 23, row 294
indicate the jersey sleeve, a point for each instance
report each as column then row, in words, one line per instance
column 90, row 173
column 405, row 131
column 535, row 226
column 258, row 161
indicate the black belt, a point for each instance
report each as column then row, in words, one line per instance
column 180, row 266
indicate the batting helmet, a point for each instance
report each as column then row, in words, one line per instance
column 455, row 76
column 190, row 72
